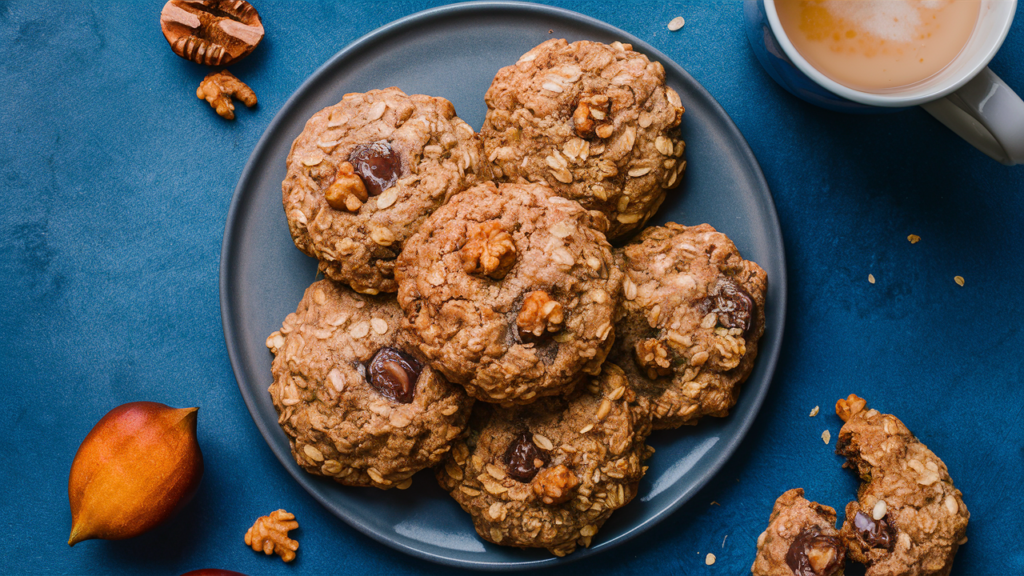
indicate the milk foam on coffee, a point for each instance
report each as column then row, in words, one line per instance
column 877, row 45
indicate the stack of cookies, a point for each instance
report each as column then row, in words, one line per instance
column 476, row 318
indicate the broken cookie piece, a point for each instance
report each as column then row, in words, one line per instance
column 218, row 88
column 801, row 540
column 908, row 519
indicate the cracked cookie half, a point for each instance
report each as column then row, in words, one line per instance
column 908, row 519
column 801, row 540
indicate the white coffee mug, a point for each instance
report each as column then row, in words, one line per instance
column 966, row 95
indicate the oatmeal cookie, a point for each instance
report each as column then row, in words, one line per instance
column 511, row 291
column 908, row 519
column 357, row 404
column 595, row 121
column 548, row 475
column 365, row 173
column 693, row 311
column 801, row 540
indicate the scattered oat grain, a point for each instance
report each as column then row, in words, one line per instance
column 826, row 436
column 814, row 412
column 710, row 559
column 959, row 280
column 871, row 278
column 676, row 23
column 913, row 238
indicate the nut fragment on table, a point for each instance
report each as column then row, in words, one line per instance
column 211, row 32
column 269, row 534
column 219, row 87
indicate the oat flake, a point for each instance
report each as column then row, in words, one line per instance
column 677, row 23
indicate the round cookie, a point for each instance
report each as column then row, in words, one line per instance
column 365, row 173
column 548, row 475
column 511, row 291
column 693, row 312
column 356, row 404
column 594, row 121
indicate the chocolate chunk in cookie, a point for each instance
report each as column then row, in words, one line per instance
column 693, row 314
column 908, row 518
column 549, row 475
column 355, row 402
column 594, row 121
column 365, row 173
column 511, row 291
column 801, row 540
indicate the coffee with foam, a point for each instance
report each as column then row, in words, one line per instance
column 878, row 45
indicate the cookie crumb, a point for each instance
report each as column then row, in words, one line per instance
column 826, row 436
column 676, row 23
column 913, row 238
column 871, row 278
column 710, row 559
column 959, row 280
column 814, row 412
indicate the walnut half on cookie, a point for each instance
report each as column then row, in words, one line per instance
column 908, row 519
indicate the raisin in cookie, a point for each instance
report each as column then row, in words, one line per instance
column 801, row 540
column 356, row 404
column 548, row 475
column 908, row 519
column 365, row 173
column 693, row 311
column 595, row 121
column 511, row 291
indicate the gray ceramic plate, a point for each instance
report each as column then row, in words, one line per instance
column 454, row 52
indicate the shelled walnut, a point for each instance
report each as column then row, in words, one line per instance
column 555, row 485
column 269, row 534
column 347, row 192
column 540, row 314
column 490, row 250
column 219, row 87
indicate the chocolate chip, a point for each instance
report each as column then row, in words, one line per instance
column 523, row 458
column 212, row 32
column 378, row 164
column 815, row 554
column 875, row 533
column 735, row 308
column 393, row 373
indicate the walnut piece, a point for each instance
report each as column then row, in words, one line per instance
column 555, row 485
column 589, row 110
column 219, row 87
column 347, row 192
column 270, row 535
column 652, row 356
column 846, row 408
column 538, row 315
column 490, row 250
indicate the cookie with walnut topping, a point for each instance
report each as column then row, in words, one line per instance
column 594, row 121
column 511, row 291
column 693, row 312
column 364, row 174
column 357, row 403
column 908, row 519
column 549, row 475
column 801, row 540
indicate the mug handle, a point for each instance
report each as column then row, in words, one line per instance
column 988, row 114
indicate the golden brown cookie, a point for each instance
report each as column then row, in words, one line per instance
column 801, row 540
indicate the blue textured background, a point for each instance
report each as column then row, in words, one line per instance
column 115, row 186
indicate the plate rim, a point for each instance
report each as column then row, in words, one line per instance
column 770, row 360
